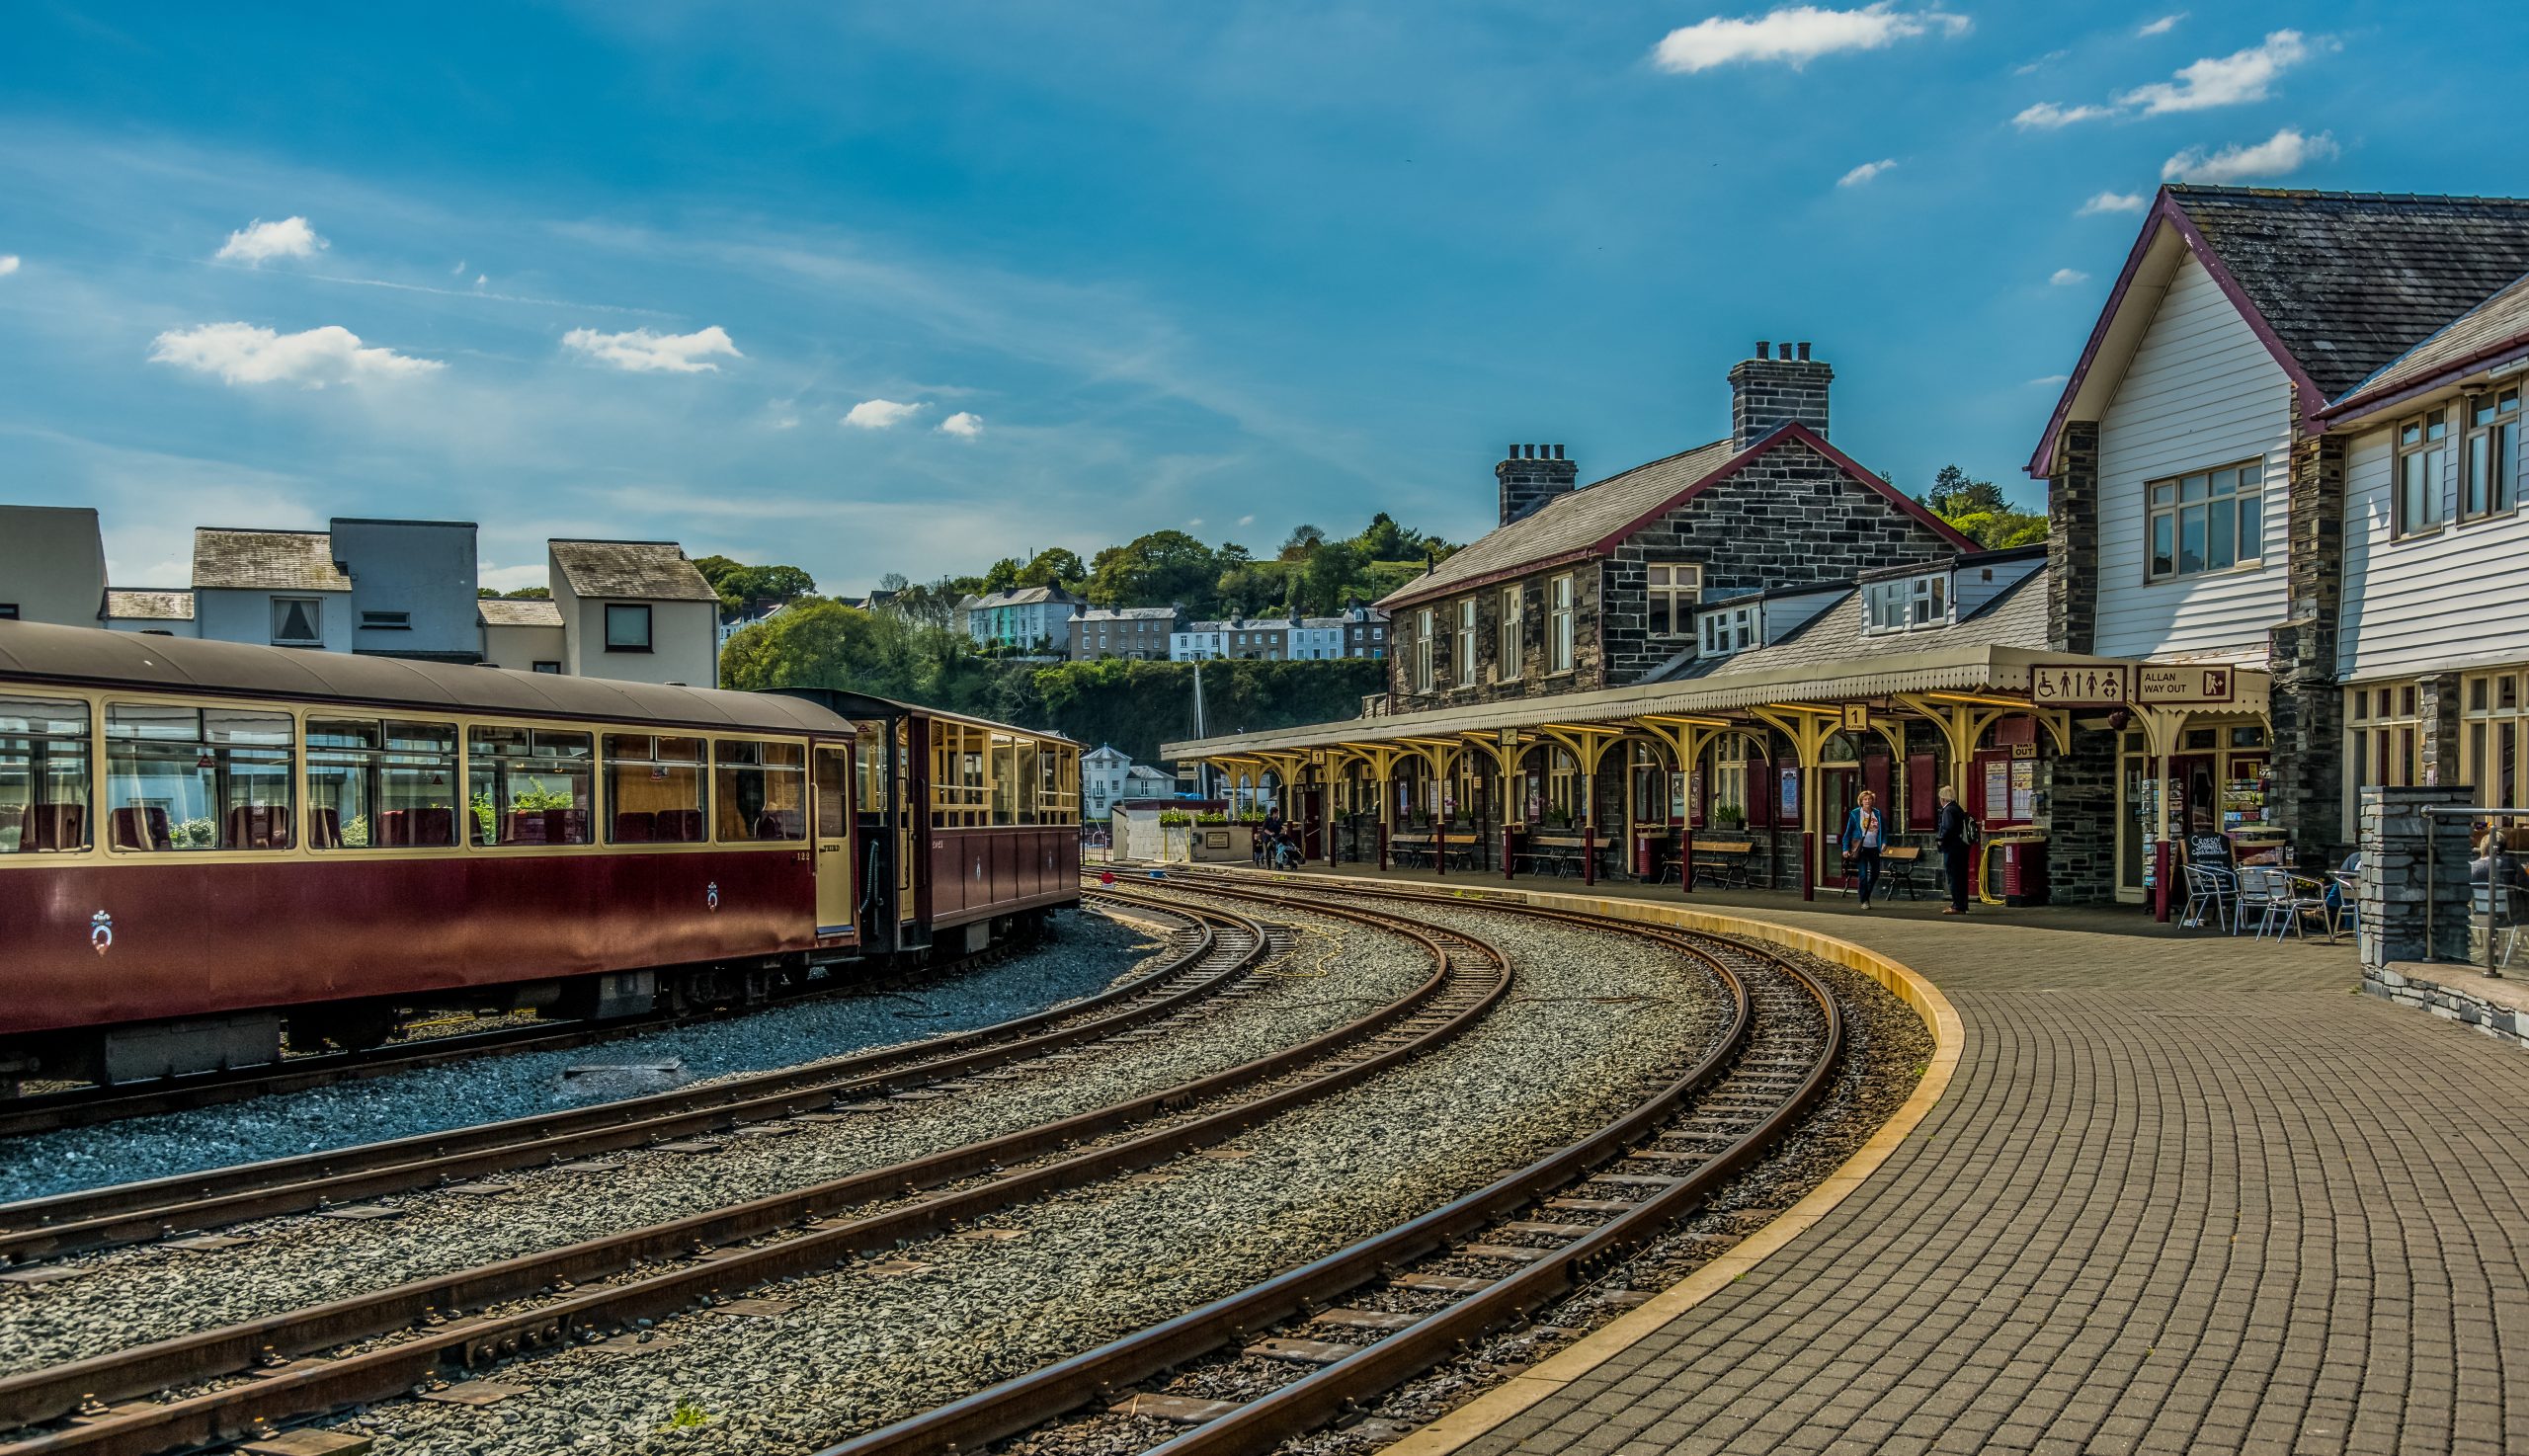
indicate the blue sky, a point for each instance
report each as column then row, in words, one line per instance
column 909, row 287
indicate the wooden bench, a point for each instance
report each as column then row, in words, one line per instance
column 1897, row 866
column 1724, row 863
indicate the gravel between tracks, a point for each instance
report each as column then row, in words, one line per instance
column 1087, row 951
column 146, row 1293
column 1593, row 1021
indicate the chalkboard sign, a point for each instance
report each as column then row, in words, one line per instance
column 2209, row 850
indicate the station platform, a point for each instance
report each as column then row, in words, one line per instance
column 2183, row 1192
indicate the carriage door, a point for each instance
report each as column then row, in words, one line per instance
column 836, row 892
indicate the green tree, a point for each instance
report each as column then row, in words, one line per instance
column 1004, row 574
column 1980, row 512
column 1154, row 570
column 1955, row 494
column 529, row 594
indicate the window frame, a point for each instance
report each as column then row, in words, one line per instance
column 292, row 775
column 1671, row 591
column 2430, row 453
column 1562, row 638
column 315, row 607
column 2175, row 509
column 2491, row 431
column 1510, row 657
column 379, row 761
column 1726, row 631
column 1463, row 670
column 39, row 750
column 1426, row 622
column 649, row 626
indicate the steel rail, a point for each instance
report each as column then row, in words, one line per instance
column 1094, row 1377
column 138, row 1212
column 1461, row 990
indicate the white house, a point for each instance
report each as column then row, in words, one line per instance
column 1104, row 772
column 522, row 634
column 1028, row 618
column 635, row 611
column 1198, row 642
column 2292, row 444
column 282, row 588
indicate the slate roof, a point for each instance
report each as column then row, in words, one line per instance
column 1569, row 523
column 266, row 560
column 2500, row 320
column 2348, row 282
column 2016, row 617
column 1127, row 614
column 1022, row 596
column 525, row 611
column 149, row 604
column 652, row 571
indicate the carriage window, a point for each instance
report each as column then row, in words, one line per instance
column 380, row 785
column 1027, row 782
column 529, row 785
column 869, row 771
column 653, row 789
column 760, row 790
column 1005, row 782
column 44, row 776
column 198, row 779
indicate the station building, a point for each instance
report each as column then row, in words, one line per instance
column 2284, row 479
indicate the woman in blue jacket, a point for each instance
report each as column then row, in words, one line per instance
column 1865, row 834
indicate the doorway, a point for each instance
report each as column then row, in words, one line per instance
column 835, row 795
column 1838, row 786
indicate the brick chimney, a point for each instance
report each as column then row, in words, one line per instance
column 1775, row 389
column 1533, row 475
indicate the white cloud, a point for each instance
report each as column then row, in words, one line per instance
column 879, row 413
column 2031, row 68
column 511, row 578
column 2065, row 277
column 2114, row 201
column 2279, row 155
column 645, row 351
column 458, row 271
column 259, row 242
column 963, row 424
column 1796, row 34
column 2226, row 80
column 1246, row 520
column 2047, row 116
column 2052, row 380
column 241, row 354
column 1195, row 524
column 8, row 264
column 2161, row 26
column 1865, row 171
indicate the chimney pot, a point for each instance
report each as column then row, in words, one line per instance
column 1765, row 350
column 1558, row 453
column 1804, row 349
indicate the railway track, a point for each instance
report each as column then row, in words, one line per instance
column 88, row 1106
column 1215, row 951
column 242, row 1380
column 1297, row 1350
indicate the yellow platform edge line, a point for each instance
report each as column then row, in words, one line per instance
column 1490, row 1410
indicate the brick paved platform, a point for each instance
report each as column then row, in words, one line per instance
column 2184, row 1193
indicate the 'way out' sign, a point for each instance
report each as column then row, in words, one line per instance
column 2181, row 684
column 2077, row 684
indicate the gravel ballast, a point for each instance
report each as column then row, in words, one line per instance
column 1593, row 1023
column 1087, row 951
column 145, row 1293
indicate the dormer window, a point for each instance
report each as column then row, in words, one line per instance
column 1729, row 629
column 1906, row 602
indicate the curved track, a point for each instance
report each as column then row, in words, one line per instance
column 1429, row 1287
column 1214, row 952
column 539, row 1300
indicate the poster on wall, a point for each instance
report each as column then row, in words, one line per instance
column 1998, row 790
column 1791, row 793
column 2024, row 789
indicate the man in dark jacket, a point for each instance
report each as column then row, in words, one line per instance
column 1958, row 835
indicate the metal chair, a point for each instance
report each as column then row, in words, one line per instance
column 2280, row 907
column 2211, row 890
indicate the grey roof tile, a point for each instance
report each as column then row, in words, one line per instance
column 2350, row 281
column 2016, row 617
column 2499, row 320
column 526, row 611
column 149, row 604
column 266, row 560
column 1570, row 522
column 654, row 570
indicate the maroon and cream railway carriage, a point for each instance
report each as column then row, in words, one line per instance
column 965, row 824
column 203, row 840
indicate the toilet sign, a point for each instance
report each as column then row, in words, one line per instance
column 2077, row 684
column 2168, row 683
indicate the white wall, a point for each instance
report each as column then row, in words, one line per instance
column 2448, row 600
column 2202, row 391
column 53, row 564
column 523, row 647
column 683, row 641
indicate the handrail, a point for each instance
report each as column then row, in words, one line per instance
column 2495, row 879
